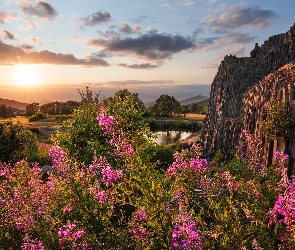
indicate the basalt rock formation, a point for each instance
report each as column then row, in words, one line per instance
column 279, row 85
column 230, row 103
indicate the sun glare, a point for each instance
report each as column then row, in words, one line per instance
column 26, row 75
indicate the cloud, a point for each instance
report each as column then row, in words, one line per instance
column 186, row 3
column 228, row 39
column 234, row 38
column 35, row 40
column 198, row 31
column 151, row 30
column 95, row 18
column 148, row 46
column 5, row 16
column 10, row 55
column 140, row 66
column 205, row 42
column 7, row 34
column 139, row 19
column 29, row 24
column 27, row 47
column 168, row 6
column 39, row 9
column 124, row 27
column 236, row 16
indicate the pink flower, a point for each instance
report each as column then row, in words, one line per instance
column 67, row 210
column 257, row 194
column 79, row 234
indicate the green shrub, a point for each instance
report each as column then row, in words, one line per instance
column 37, row 117
column 218, row 158
column 38, row 152
column 14, row 139
column 277, row 123
column 164, row 155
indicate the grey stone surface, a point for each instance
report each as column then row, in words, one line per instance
column 227, row 115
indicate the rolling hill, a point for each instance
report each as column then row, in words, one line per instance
column 13, row 103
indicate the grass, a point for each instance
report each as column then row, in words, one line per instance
column 46, row 127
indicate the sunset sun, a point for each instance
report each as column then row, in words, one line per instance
column 26, row 75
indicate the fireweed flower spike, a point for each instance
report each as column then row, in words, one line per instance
column 57, row 155
column 284, row 206
column 185, row 233
column 116, row 138
column 29, row 244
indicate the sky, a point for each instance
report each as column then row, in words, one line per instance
column 50, row 49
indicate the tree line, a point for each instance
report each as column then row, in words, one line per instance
column 165, row 105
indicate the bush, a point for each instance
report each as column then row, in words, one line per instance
column 277, row 123
column 14, row 139
column 122, row 201
column 37, row 117
column 163, row 155
column 38, row 153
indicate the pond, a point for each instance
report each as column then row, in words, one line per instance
column 170, row 136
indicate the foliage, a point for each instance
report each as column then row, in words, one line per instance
column 163, row 155
column 128, row 110
column 277, row 123
column 14, row 139
column 175, row 123
column 32, row 109
column 166, row 106
column 59, row 108
column 83, row 136
column 39, row 153
column 123, row 93
column 121, row 200
column 5, row 111
column 197, row 107
column 218, row 158
column 37, row 117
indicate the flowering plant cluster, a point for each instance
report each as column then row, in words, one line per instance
column 122, row 148
column 185, row 234
column 284, row 208
column 121, row 201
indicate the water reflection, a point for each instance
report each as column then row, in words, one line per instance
column 170, row 136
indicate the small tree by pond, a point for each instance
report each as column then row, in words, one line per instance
column 166, row 106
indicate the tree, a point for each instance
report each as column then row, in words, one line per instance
column 128, row 110
column 14, row 139
column 83, row 136
column 32, row 109
column 197, row 108
column 5, row 111
column 60, row 108
column 166, row 106
column 121, row 94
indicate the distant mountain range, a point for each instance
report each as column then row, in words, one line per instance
column 14, row 104
column 19, row 105
column 199, row 98
column 194, row 99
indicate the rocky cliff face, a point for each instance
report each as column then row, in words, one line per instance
column 279, row 85
column 223, row 124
